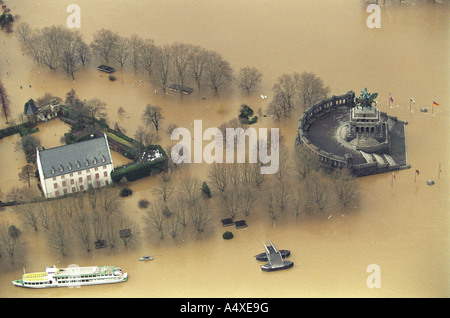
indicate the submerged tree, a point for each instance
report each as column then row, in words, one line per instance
column 4, row 102
column 11, row 241
column 249, row 78
column 104, row 43
column 152, row 115
column 218, row 72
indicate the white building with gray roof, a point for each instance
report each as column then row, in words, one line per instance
column 75, row 167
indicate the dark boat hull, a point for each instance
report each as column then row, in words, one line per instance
column 263, row 256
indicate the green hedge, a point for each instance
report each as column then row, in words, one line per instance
column 22, row 129
column 140, row 170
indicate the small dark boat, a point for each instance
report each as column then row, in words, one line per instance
column 106, row 69
column 262, row 257
column 227, row 222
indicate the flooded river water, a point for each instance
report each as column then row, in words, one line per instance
column 403, row 228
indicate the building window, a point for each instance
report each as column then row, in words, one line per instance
column 105, row 173
column 71, row 174
column 65, row 191
column 64, row 183
column 55, row 185
column 89, row 178
column 72, row 181
column 73, row 190
column 97, row 176
column 54, row 178
column 56, row 193
column 80, row 179
column 96, row 169
column 104, row 167
column 79, row 172
column 63, row 177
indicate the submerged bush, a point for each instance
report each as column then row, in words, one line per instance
column 227, row 235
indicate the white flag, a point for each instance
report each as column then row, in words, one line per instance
column 413, row 100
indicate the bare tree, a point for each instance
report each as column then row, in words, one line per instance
column 247, row 200
column 109, row 200
column 96, row 108
column 197, row 63
column 51, row 45
column 218, row 177
column 190, row 191
column 135, row 44
column 144, row 138
column 5, row 103
column 181, row 54
column 164, row 190
column 286, row 92
column 24, row 31
column 270, row 203
column 104, row 43
column 59, row 235
column 84, row 52
column 128, row 230
column 312, row 89
column 304, row 162
column 152, row 115
column 318, row 190
column 121, row 50
column 148, row 56
column 230, row 201
column 81, row 225
column 201, row 216
column 346, row 186
column 70, row 52
column 249, row 78
column 154, row 219
column 179, row 207
column 29, row 215
column 160, row 76
column 27, row 173
column 218, row 72
column 11, row 241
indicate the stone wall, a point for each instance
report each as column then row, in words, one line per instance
column 315, row 111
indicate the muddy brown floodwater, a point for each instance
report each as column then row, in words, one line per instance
column 403, row 228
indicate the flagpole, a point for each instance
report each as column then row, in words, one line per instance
column 439, row 172
column 415, row 176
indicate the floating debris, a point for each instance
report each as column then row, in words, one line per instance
column 430, row 182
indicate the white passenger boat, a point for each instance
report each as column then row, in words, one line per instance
column 72, row 277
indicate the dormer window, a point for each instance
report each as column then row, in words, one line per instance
column 69, row 167
column 78, row 164
column 61, row 169
column 53, row 170
column 95, row 161
column 86, row 162
column 103, row 158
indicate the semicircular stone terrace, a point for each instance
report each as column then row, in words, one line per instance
column 342, row 135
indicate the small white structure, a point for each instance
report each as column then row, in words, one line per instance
column 75, row 167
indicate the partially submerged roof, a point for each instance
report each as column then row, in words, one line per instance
column 75, row 157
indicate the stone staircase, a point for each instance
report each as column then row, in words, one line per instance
column 382, row 160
